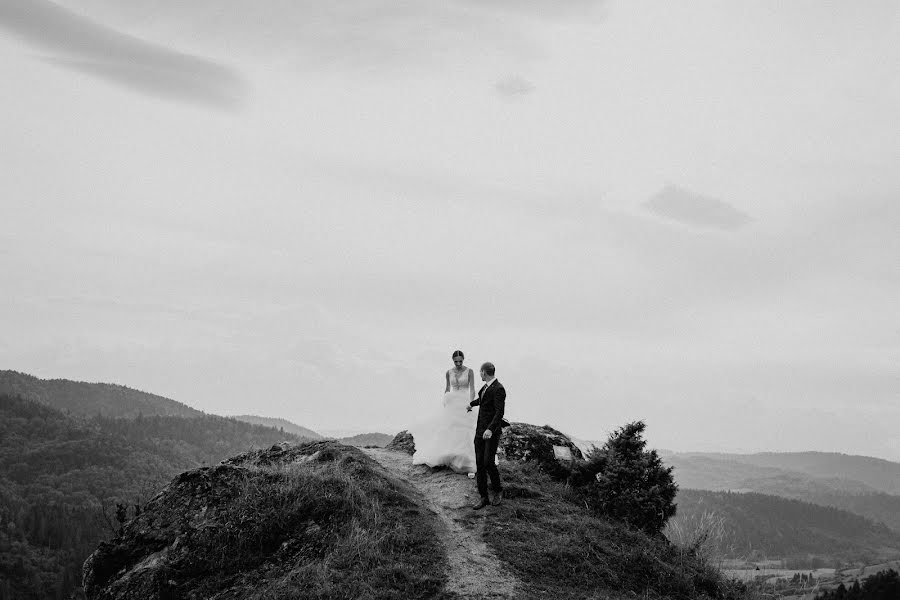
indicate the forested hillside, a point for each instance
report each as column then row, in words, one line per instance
column 870, row 504
column 726, row 473
column 61, row 478
column 284, row 424
column 91, row 399
column 755, row 523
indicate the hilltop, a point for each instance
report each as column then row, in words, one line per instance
column 90, row 399
column 317, row 520
column 325, row 520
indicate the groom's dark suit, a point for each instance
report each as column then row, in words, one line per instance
column 491, row 403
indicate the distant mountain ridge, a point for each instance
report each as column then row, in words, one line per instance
column 728, row 473
column 882, row 475
column 90, row 399
column 818, row 484
column 279, row 423
column 368, row 439
column 86, row 399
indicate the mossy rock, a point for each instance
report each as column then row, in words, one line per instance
column 525, row 442
column 522, row 441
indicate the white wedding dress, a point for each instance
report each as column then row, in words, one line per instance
column 446, row 435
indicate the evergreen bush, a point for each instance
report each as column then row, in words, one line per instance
column 625, row 481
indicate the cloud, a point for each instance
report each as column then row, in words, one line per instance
column 360, row 34
column 84, row 45
column 695, row 210
column 514, row 87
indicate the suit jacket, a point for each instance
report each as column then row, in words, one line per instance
column 491, row 404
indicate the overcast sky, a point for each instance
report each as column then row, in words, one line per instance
column 685, row 213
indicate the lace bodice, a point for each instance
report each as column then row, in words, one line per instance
column 459, row 381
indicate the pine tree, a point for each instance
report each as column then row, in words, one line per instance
column 631, row 483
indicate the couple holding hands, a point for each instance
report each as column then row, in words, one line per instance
column 445, row 439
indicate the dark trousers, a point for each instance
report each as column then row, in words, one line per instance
column 485, row 452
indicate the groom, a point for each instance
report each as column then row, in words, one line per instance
column 491, row 402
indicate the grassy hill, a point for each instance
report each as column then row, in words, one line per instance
column 784, row 528
column 62, row 476
column 277, row 423
column 560, row 549
column 90, row 399
column 319, row 520
column 324, row 520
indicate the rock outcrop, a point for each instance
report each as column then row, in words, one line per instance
column 522, row 441
column 402, row 442
column 270, row 523
column 200, row 513
column 519, row 442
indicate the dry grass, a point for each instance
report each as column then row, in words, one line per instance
column 703, row 537
column 336, row 526
column 556, row 546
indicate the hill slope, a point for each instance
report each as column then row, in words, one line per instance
column 284, row 424
column 313, row 521
column 727, row 473
column 61, row 478
column 323, row 520
column 90, row 399
column 783, row 528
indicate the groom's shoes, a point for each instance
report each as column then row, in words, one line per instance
column 496, row 498
column 480, row 504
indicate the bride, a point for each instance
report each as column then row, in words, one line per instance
column 446, row 437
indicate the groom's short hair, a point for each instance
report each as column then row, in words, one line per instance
column 488, row 368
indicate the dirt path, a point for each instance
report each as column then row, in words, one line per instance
column 475, row 572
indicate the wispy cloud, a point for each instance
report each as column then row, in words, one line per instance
column 362, row 34
column 696, row 210
column 514, row 87
column 80, row 43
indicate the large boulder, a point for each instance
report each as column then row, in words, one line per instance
column 526, row 442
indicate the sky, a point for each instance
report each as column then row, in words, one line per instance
column 684, row 213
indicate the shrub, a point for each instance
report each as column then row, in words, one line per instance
column 624, row 481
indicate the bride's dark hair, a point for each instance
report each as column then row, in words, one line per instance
column 459, row 353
